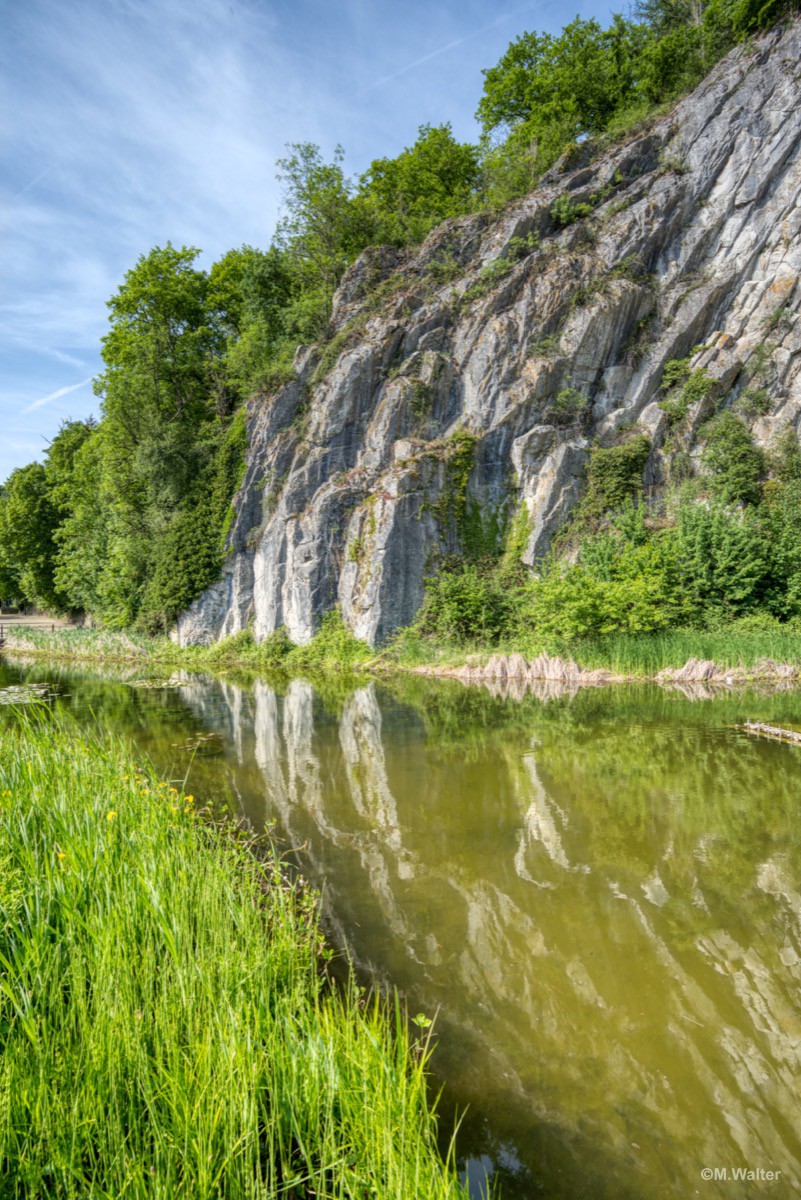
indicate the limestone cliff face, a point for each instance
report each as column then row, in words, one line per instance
column 470, row 376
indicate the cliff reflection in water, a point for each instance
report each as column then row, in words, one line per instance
column 600, row 895
column 605, row 912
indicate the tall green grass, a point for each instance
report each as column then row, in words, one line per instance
column 166, row 1030
column 334, row 648
column 86, row 643
column 644, row 655
column 743, row 644
column 647, row 654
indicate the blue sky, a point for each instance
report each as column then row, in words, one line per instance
column 127, row 123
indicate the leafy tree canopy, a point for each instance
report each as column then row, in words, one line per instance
column 434, row 179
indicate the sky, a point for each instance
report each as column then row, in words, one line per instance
column 128, row 123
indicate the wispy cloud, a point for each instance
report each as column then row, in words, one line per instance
column 155, row 120
column 64, row 391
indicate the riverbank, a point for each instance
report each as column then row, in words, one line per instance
column 166, row 1023
column 741, row 653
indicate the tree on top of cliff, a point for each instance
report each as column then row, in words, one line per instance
column 426, row 183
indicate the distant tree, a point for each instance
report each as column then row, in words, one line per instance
column 28, row 521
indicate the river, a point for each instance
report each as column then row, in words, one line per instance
column 597, row 897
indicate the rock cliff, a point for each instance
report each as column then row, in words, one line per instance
column 465, row 380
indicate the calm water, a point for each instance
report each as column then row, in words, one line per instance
column 599, row 896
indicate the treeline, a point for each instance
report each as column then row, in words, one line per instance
column 126, row 518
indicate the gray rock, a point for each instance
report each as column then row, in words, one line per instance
column 349, row 496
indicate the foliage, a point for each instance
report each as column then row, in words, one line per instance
column 548, row 91
column 434, row 179
column 28, row 522
column 465, row 605
column 734, row 463
column 685, row 387
column 723, row 558
column 166, row 1024
column 332, row 648
column 614, row 475
column 322, row 230
column 570, row 406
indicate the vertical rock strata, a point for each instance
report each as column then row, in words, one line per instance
column 466, row 378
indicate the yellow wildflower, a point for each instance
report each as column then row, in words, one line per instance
column 111, row 815
column 190, row 799
column 60, row 854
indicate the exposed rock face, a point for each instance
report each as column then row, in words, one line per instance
column 497, row 332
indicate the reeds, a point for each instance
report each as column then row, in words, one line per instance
column 166, row 1029
column 647, row 654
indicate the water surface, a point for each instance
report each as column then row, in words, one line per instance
column 599, row 896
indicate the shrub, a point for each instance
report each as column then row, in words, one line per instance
column 614, row 475
column 466, row 605
column 723, row 558
column 734, row 463
column 570, row 406
column 684, row 389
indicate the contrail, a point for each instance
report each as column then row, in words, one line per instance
column 65, row 391
column 444, row 49
column 28, row 186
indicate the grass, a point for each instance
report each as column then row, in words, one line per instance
column 166, row 1030
column 647, row 654
column 333, row 648
column 741, row 644
column 641, row 655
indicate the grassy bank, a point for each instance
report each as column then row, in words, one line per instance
column 640, row 655
column 165, row 1027
column 744, row 644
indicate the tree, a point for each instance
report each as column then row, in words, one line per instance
column 253, row 290
column 28, row 521
column 84, row 533
column 434, row 179
column 734, row 463
column 556, row 89
column 323, row 229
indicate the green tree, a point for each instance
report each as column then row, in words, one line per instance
column 84, row 533
column 321, row 233
column 734, row 463
column 252, row 290
column 434, row 179
column 723, row 558
column 28, row 520
column 548, row 90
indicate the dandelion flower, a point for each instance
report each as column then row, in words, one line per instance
column 111, row 815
